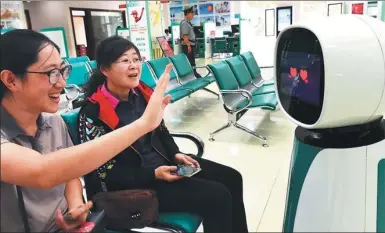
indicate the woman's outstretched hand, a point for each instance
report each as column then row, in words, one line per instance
column 153, row 114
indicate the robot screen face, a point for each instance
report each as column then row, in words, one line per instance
column 300, row 75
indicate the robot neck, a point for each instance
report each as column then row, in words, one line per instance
column 343, row 137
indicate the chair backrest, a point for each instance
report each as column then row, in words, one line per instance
column 252, row 65
column 158, row 66
column 147, row 77
column 224, row 76
column 71, row 120
column 240, row 70
column 79, row 75
column 73, row 60
column 92, row 64
column 182, row 65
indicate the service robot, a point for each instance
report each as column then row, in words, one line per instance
column 330, row 81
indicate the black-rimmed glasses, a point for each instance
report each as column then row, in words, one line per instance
column 55, row 74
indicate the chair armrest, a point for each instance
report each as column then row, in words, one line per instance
column 201, row 67
column 194, row 138
column 72, row 86
column 244, row 93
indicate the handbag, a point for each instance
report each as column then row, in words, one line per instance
column 126, row 209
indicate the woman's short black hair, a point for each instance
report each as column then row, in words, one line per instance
column 19, row 50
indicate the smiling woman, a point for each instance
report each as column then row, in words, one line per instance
column 116, row 97
column 118, row 67
column 31, row 68
column 40, row 167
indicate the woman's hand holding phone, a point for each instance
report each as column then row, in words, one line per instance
column 166, row 173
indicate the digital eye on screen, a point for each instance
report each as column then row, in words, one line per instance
column 303, row 74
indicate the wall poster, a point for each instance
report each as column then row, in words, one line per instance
column 139, row 27
column 335, row 9
column 269, row 22
column 358, row 8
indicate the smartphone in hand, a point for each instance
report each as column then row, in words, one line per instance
column 186, row 171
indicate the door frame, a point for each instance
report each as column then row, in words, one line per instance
column 89, row 30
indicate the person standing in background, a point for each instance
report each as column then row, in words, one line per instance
column 187, row 36
column 167, row 34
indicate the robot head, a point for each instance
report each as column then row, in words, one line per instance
column 331, row 72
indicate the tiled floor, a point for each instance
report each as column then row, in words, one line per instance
column 264, row 170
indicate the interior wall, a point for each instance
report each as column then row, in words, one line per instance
column 253, row 36
column 57, row 14
column 235, row 8
column 253, row 23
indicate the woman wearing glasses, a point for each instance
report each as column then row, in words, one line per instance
column 115, row 98
column 39, row 165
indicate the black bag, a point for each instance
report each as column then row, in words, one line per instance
column 127, row 209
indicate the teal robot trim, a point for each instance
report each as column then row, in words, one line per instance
column 302, row 158
column 381, row 197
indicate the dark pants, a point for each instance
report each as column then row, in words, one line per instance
column 215, row 194
column 191, row 57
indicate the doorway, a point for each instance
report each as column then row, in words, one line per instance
column 28, row 19
column 91, row 26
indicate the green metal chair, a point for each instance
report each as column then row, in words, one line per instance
column 187, row 77
column 244, row 78
column 156, row 68
column 233, row 45
column 238, row 101
column 73, row 60
column 79, row 76
column 172, row 222
column 219, row 45
column 92, row 64
column 254, row 69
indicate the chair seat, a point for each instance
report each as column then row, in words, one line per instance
column 178, row 93
column 185, row 221
column 266, row 101
column 197, row 84
column 209, row 78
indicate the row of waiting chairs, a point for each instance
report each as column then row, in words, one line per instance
column 242, row 88
column 238, row 79
column 182, row 79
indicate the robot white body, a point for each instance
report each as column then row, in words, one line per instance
column 330, row 81
column 343, row 191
